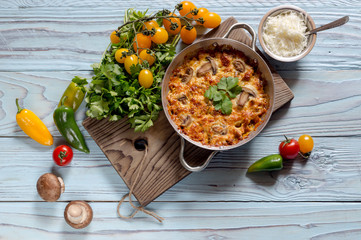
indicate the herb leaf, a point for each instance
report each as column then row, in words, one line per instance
column 222, row 93
column 226, row 106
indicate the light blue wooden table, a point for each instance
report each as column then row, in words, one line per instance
column 43, row 44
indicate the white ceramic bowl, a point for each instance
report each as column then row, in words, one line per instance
column 309, row 23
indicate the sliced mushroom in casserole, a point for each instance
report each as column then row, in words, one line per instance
column 186, row 120
column 211, row 65
column 220, row 129
column 239, row 65
column 182, row 98
column 244, row 96
column 187, row 76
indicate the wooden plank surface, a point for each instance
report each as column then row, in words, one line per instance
column 46, row 27
column 331, row 174
column 210, row 220
column 45, row 43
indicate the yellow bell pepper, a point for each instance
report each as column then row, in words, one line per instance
column 33, row 126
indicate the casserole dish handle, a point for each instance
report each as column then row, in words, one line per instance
column 248, row 28
column 186, row 165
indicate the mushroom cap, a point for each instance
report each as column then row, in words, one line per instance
column 78, row 207
column 49, row 187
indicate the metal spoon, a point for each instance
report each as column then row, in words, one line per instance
column 333, row 24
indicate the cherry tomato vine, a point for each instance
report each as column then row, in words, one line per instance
column 172, row 25
column 145, row 41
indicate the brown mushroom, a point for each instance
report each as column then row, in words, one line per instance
column 239, row 65
column 182, row 98
column 187, row 76
column 244, row 96
column 211, row 65
column 206, row 67
column 186, row 120
column 50, row 187
column 220, row 129
column 242, row 99
column 250, row 91
column 78, row 214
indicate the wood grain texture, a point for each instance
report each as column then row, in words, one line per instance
column 44, row 38
column 186, row 220
column 25, row 4
column 331, row 174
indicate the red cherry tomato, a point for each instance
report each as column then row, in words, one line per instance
column 289, row 148
column 62, row 155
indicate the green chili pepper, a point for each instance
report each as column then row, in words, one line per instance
column 74, row 93
column 65, row 122
column 268, row 163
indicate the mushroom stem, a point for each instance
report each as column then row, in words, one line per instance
column 242, row 99
column 77, row 213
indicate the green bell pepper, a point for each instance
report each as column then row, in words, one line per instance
column 65, row 122
column 268, row 163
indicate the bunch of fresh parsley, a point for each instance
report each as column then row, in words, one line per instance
column 115, row 94
column 222, row 93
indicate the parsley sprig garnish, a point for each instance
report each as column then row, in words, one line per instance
column 222, row 93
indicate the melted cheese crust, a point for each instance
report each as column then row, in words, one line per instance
column 196, row 116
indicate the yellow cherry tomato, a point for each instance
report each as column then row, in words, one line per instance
column 145, row 78
column 130, row 61
column 188, row 36
column 187, row 6
column 160, row 36
column 143, row 42
column 114, row 38
column 144, row 55
column 151, row 24
column 306, row 143
column 167, row 25
column 119, row 55
column 211, row 20
column 200, row 14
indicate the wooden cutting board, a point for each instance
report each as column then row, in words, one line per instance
column 161, row 169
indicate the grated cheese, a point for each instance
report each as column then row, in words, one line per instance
column 284, row 34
